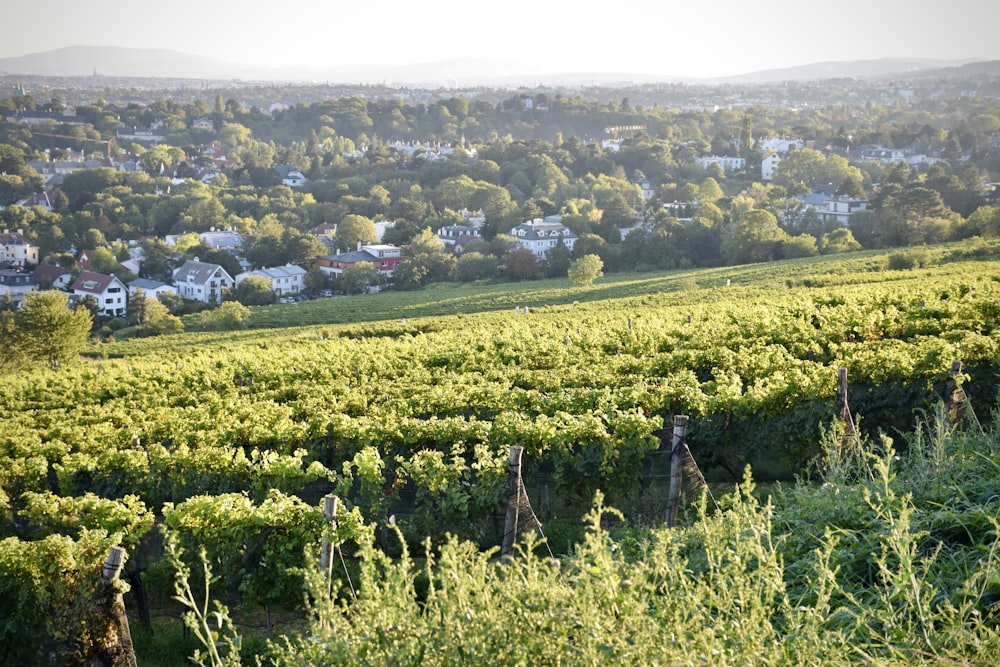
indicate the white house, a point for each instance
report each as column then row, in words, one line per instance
column 540, row 236
column 768, row 166
column 151, row 288
column 287, row 279
column 458, row 236
column 783, row 146
column 201, row 281
column 15, row 249
column 727, row 162
column 290, row 176
column 833, row 208
column 111, row 293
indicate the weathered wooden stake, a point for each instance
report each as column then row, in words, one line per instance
column 674, row 494
column 845, row 410
column 513, row 499
column 954, row 393
column 124, row 655
column 326, row 551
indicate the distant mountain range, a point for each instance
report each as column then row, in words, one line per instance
column 79, row 61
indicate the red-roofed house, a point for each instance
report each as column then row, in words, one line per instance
column 111, row 293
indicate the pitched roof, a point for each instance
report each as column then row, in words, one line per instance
column 146, row 284
column 536, row 230
column 353, row 257
column 49, row 272
column 92, row 283
column 13, row 238
column 197, row 272
column 287, row 271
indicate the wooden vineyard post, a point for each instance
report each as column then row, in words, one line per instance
column 326, row 551
column 513, row 500
column 954, row 394
column 121, row 653
column 845, row 410
column 674, row 494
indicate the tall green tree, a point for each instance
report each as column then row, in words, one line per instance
column 586, row 270
column 355, row 229
column 754, row 237
column 358, row 278
column 427, row 261
column 252, row 291
column 52, row 332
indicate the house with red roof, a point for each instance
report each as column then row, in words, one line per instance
column 111, row 293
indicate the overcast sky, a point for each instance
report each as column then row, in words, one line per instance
column 698, row 38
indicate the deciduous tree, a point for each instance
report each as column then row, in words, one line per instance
column 586, row 270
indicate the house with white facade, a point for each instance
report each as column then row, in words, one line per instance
column 51, row 276
column 290, row 176
column 783, row 146
column 539, row 236
column 202, row 281
column 111, row 294
column 287, row 279
column 16, row 250
column 768, row 166
column 151, row 288
column 457, row 237
column 728, row 163
column 830, row 207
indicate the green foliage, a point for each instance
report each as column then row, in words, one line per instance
column 812, row 576
column 253, row 291
column 49, row 330
column 584, row 271
column 53, row 604
column 257, row 549
column 227, row 317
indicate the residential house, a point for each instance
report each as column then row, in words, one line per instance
column 883, row 155
column 84, row 260
column 385, row 258
column 768, row 166
column 111, row 293
column 222, row 240
column 149, row 287
column 153, row 134
column 287, row 279
column 202, row 281
column 290, row 176
column 458, row 236
column 16, row 250
column 830, row 207
column 16, row 284
column 727, row 162
column 539, row 236
column 327, row 229
column 646, row 187
column 40, row 199
column 50, row 276
column 782, row 146
column 66, row 116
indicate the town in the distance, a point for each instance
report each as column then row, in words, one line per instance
column 197, row 193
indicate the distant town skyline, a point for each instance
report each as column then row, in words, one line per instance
column 696, row 39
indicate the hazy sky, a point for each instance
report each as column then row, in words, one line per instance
column 682, row 38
